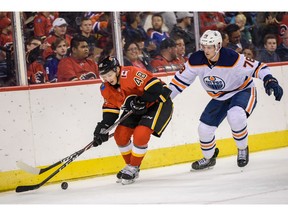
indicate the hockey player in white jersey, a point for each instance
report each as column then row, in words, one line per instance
column 228, row 78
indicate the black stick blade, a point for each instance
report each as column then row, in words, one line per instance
column 27, row 188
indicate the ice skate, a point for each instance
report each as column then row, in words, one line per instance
column 129, row 174
column 120, row 173
column 205, row 163
column 243, row 157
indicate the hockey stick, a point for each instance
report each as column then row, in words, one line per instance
column 69, row 159
column 38, row 171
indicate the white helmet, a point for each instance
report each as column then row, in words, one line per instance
column 211, row 37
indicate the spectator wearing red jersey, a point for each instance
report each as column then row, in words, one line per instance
column 77, row 66
column 59, row 30
column 42, row 24
column 167, row 56
column 6, row 36
column 211, row 21
column 36, row 73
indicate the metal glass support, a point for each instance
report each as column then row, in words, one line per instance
column 197, row 30
column 19, row 48
column 117, row 37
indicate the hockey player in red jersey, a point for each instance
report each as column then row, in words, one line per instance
column 136, row 89
column 228, row 78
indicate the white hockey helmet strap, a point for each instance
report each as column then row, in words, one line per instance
column 211, row 37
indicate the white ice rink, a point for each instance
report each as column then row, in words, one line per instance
column 263, row 181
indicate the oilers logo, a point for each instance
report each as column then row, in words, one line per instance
column 214, row 82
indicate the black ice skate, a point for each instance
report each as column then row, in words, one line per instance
column 243, row 157
column 129, row 174
column 205, row 163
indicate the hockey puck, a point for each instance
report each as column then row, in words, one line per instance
column 64, row 185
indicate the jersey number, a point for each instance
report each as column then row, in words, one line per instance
column 249, row 62
column 140, row 77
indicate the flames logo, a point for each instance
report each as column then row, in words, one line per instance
column 214, row 82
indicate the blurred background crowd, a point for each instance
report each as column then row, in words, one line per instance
column 68, row 46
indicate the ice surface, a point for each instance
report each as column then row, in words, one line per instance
column 264, row 181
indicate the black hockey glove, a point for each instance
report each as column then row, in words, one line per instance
column 271, row 85
column 137, row 106
column 99, row 136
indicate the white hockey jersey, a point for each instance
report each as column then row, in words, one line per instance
column 232, row 73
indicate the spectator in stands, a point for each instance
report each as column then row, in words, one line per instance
column 240, row 20
column 211, row 21
column 36, row 73
column 102, row 30
column 133, row 28
column 268, row 54
column 170, row 19
column 59, row 46
column 235, row 41
column 77, row 66
column 86, row 31
column 143, row 55
column 185, row 29
column 107, row 51
column 167, row 56
column 59, row 30
column 6, row 36
column 266, row 23
column 32, row 43
column 147, row 24
column 282, row 49
column 250, row 52
column 157, row 35
column 225, row 39
column 282, row 19
column 42, row 24
column 131, row 56
column 180, row 45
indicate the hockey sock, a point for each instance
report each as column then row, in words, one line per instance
column 207, row 139
column 141, row 137
column 122, row 137
column 237, row 120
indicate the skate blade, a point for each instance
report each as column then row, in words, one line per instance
column 118, row 180
column 242, row 169
column 126, row 181
column 199, row 170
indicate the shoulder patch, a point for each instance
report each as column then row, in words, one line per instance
column 124, row 73
column 102, row 87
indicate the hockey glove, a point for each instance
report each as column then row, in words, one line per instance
column 99, row 136
column 137, row 106
column 271, row 85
